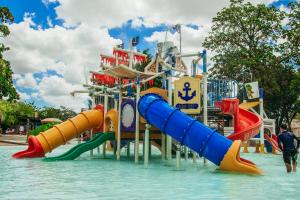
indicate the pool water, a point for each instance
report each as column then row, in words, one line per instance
column 98, row 178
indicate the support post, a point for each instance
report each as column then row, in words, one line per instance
column 163, row 146
column 186, row 155
column 205, row 117
column 128, row 149
column 137, row 122
column 105, row 111
column 261, row 130
column 169, row 139
column 146, row 146
column 119, row 124
column 178, row 159
column 194, row 157
column 131, row 54
column 91, row 131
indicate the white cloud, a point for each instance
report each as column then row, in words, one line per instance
column 99, row 13
column 26, row 81
column 49, row 22
column 139, row 22
column 56, row 91
column 48, row 2
column 66, row 51
column 23, row 96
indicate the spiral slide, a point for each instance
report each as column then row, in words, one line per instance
column 198, row 137
column 79, row 149
column 60, row 134
column 246, row 123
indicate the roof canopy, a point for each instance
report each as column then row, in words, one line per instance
column 122, row 71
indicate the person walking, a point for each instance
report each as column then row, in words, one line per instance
column 289, row 144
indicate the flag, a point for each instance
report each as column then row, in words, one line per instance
column 135, row 41
column 177, row 28
column 121, row 46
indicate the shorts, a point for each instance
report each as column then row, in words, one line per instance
column 289, row 156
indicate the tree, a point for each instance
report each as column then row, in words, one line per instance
column 292, row 34
column 248, row 43
column 6, row 84
column 141, row 66
column 12, row 112
column 61, row 113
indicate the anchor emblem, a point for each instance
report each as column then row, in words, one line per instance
column 187, row 88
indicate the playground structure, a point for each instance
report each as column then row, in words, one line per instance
column 129, row 107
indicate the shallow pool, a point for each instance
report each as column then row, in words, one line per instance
column 97, row 178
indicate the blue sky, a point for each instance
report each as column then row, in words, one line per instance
column 55, row 42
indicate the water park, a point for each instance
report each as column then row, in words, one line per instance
column 155, row 127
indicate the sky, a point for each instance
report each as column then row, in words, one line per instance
column 55, row 43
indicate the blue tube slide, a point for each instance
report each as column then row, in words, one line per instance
column 183, row 128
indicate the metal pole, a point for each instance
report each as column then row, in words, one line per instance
column 194, row 157
column 178, row 156
column 146, row 147
column 131, row 54
column 163, row 146
column 119, row 125
column 186, row 155
column 128, row 149
column 169, row 139
column 261, row 131
column 137, row 122
column 180, row 39
column 105, row 111
column 91, row 131
column 205, row 120
column 116, row 108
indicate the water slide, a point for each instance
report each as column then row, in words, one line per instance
column 246, row 123
column 273, row 141
column 42, row 128
column 79, row 149
column 60, row 134
column 195, row 135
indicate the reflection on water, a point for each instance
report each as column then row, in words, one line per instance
column 98, row 178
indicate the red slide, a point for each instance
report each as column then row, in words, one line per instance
column 273, row 141
column 246, row 123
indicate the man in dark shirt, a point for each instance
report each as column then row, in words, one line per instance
column 289, row 145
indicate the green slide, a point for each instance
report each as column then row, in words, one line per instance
column 79, row 149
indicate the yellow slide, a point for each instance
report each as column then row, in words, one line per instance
column 60, row 134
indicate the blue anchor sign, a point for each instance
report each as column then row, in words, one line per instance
column 187, row 88
column 187, row 95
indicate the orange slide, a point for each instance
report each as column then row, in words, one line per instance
column 246, row 123
column 273, row 141
column 60, row 134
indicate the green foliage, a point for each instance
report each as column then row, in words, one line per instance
column 61, row 113
column 241, row 37
column 292, row 34
column 141, row 67
column 6, row 84
column 5, row 17
column 251, row 43
column 42, row 128
column 11, row 112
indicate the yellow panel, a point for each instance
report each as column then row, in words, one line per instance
column 249, row 105
column 187, row 95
